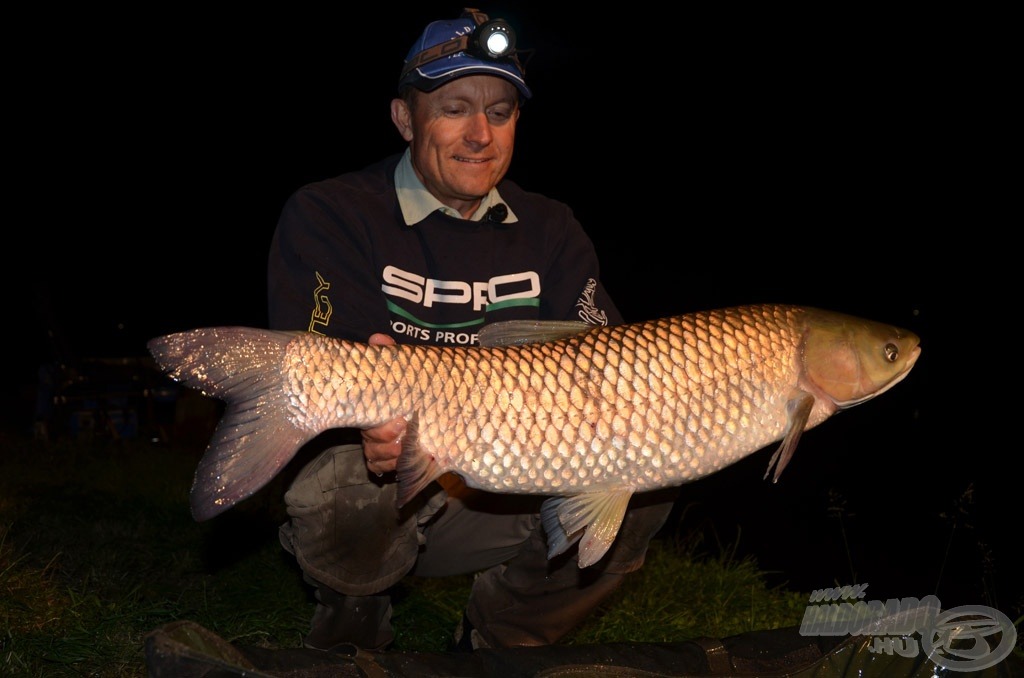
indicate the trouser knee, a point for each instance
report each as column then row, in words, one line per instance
column 344, row 528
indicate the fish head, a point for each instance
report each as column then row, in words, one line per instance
column 850, row 360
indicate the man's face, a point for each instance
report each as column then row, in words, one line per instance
column 461, row 136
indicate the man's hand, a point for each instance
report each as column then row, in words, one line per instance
column 382, row 445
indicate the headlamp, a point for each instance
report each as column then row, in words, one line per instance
column 491, row 39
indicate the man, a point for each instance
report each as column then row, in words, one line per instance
column 427, row 247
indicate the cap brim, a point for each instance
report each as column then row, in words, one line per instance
column 432, row 75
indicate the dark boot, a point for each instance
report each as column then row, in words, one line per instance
column 466, row 638
column 363, row 621
column 527, row 614
column 535, row 601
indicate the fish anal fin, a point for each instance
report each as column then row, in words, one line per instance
column 592, row 518
column 798, row 411
column 416, row 469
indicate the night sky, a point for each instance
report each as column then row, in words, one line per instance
column 731, row 165
column 714, row 160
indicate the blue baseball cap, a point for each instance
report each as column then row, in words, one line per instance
column 431, row 74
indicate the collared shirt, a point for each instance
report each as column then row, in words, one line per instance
column 418, row 203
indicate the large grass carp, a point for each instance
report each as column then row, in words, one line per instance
column 587, row 414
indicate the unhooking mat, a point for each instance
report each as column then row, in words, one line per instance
column 185, row 649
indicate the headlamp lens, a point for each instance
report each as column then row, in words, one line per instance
column 495, row 38
column 497, row 42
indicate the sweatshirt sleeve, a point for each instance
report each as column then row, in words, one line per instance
column 320, row 272
column 574, row 275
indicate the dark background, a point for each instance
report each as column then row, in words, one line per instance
column 724, row 159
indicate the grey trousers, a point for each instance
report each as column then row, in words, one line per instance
column 347, row 535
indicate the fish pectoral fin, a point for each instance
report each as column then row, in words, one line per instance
column 516, row 332
column 416, row 469
column 798, row 411
column 592, row 518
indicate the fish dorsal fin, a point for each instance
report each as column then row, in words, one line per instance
column 416, row 469
column 515, row 332
column 593, row 519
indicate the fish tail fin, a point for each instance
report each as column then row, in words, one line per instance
column 255, row 438
column 416, row 469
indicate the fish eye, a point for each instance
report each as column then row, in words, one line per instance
column 892, row 352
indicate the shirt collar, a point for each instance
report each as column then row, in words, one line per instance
column 417, row 203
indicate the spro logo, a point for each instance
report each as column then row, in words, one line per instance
column 429, row 291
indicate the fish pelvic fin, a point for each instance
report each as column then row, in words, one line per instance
column 593, row 519
column 798, row 411
column 415, row 469
column 255, row 437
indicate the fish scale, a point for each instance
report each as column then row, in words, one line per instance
column 586, row 414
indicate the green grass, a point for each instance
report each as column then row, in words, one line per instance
column 97, row 549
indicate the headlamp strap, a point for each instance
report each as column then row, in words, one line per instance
column 436, row 52
column 479, row 17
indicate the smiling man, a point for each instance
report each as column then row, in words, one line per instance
column 426, row 247
column 460, row 137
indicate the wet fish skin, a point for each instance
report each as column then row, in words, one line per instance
column 586, row 414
